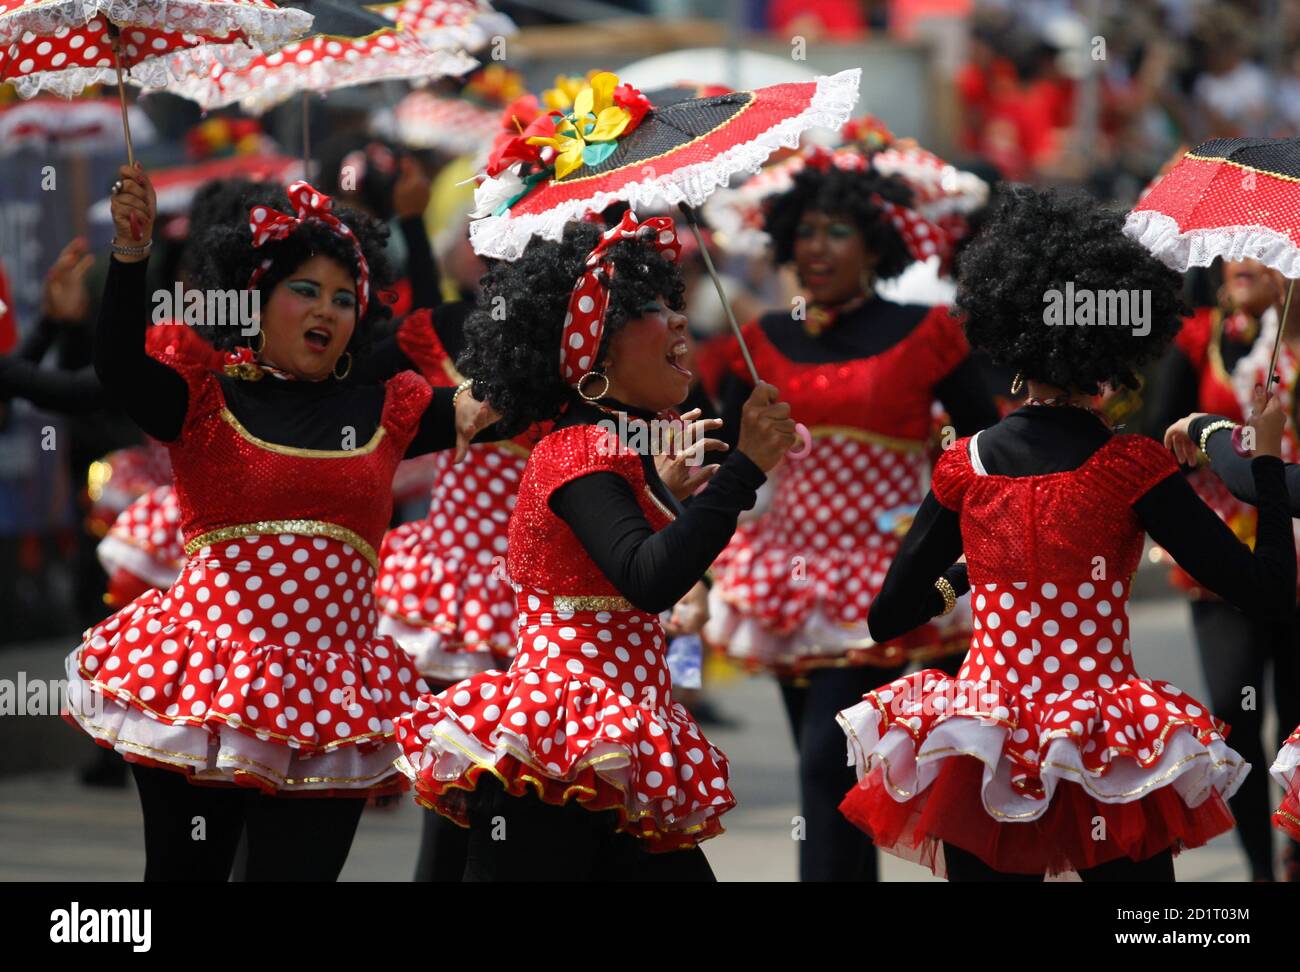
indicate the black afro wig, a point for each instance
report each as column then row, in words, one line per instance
column 1032, row 245
column 512, row 338
column 224, row 259
column 839, row 192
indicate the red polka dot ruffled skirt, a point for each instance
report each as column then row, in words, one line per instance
column 258, row 666
column 1286, row 770
column 584, row 713
column 793, row 589
column 144, row 548
column 443, row 593
column 1047, row 753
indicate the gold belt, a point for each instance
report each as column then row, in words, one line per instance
column 871, row 438
column 592, row 602
column 302, row 528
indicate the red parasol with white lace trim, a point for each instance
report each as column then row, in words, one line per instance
column 1229, row 198
column 64, row 46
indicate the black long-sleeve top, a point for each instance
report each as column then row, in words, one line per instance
column 1040, row 439
column 51, row 388
column 302, row 414
column 421, row 267
column 653, row 570
column 871, row 330
column 1235, row 470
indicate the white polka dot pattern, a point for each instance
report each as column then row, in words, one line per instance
column 823, row 547
column 272, row 636
column 585, row 707
column 1049, row 661
column 445, row 575
column 584, row 324
column 123, row 476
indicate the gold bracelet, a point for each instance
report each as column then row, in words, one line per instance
column 1209, row 430
column 463, row 386
column 944, row 587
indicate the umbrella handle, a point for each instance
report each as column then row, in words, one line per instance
column 691, row 221
column 116, row 36
column 722, row 294
column 805, row 437
column 1277, row 344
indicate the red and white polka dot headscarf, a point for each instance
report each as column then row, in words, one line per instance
column 311, row 204
column 584, row 324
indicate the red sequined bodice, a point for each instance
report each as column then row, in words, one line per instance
column 889, row 393
column 1065, row 526
column 544, row 554
column 226, row 476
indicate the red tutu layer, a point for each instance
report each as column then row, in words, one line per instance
column 1076, row 832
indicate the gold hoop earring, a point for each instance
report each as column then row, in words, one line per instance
column 593, row 398
column 346, row 371
column 1017, row 383
column 258, row 348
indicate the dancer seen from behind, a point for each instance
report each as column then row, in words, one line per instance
column 1050, row 752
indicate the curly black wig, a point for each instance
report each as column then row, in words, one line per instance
column 512, row 338
column 226, row 259
column 1032, row 245
column 843, row 193
column 225, row 202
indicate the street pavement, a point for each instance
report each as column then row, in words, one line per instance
column 54, row 829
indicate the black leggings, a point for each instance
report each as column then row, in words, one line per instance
column 1235, row 654
column 523, row 839
column 191, row 831
column 964, row 866
column 443, row 849
column 831, row 848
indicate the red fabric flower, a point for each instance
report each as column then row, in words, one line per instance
column 511, row 146
column 633, row 102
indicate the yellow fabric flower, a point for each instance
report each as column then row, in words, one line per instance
column 560, row 98
column 594, row 118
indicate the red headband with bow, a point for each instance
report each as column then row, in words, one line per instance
column 922, row 238
column 310, row 204
column 584, row 324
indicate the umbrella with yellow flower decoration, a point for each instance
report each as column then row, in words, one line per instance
column 612, row 145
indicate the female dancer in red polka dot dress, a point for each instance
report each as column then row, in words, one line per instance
column 442, row 590
column 1049, row 751
column 579, row 747
column 795, row 585
column 261, row 666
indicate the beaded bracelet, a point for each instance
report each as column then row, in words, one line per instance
column 944, row 586
column 462, row 387
column 132, row 250
column 1209, row 430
